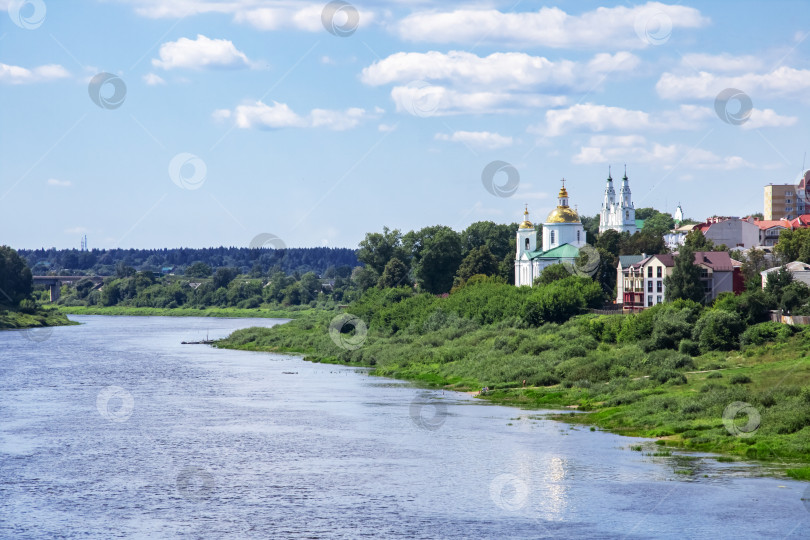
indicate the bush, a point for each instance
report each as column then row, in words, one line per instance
column 764, row 332
column 739, row 378
column 714, row 375
column 718, row 330
column 687, row 346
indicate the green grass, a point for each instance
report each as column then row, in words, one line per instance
column 184, row 312
column 662, row 394
column 41, row 317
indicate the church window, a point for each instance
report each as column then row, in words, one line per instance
column 527, row 244
column 627, row 214
column 577, row 236
column 551, row 237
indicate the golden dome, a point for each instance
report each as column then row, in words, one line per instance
column 526, row 223
column 563, row 214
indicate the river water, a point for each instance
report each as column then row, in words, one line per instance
column 114, row 429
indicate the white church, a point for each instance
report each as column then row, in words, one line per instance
column 617, row 215
column 563, row 236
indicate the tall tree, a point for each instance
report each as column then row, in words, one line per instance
column 16, row 282
column 377, row 249
column 684, row 282
column 439, row 258
column 486, row 233
column 394, row 275
column 696, row 241
column 479, row 260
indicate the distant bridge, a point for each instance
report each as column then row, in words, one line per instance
column 54, row 283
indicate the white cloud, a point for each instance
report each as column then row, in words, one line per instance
column 477, row 139
column 280, row 115
column 720, row 62
column 59, row 183
column 781, row 82
column 636, row 148
column 498, row 71
column 613, row 28
column 20, row 75
column 152, row 79
column 768, row 118
column 202, row 52
column 432, row 100
column 385, row 128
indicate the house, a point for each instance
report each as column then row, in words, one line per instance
column 731, row 231
column 675, row 238
column 769, row 230
column 800, row 271
column 643, row 282
column 625, row 261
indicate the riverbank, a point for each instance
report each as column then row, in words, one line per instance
column 184, row 312
column 751, row 404
column 10, row 320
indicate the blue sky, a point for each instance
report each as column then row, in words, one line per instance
column 249, row 117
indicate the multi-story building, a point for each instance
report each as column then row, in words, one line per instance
column 783, row 201
column 642, row 283
column 731, row 231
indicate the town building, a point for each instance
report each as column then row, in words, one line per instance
column 625, row 261
column 732, row 231
column 676, row 237
column 562, row 237
column 783, row 201
column 643, row 282
column 799, row 270
column 619, row 215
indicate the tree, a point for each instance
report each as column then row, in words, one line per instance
column 718, row 330
column 610, row 241
column 793, row 245
column 394, row 275
column 310, row 287
column 479, row 260
column 641, row 242
column 684, row 282
column 552, row 273
column 16, row 281
column 658, row 224
column 777, row 281
column 377, row 249
column 486, row 233
column 364, row 277
column 224, row 276
column 697, row 241
column 123, row 270
column 198, row 270
column 439, row 258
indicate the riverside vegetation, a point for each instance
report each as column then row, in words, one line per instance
column 669, row 372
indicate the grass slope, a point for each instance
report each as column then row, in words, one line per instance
column 41, row 317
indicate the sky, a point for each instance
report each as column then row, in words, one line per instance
column 197, row 123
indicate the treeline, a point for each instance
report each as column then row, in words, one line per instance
column 103, row 262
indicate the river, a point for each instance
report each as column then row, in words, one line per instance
column 114, row 429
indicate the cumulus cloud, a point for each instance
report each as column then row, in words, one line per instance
column 432, row 100
column 636, row 148
column 768, row 118
column 152, row 79
column 199, row 53
column 477, row 139
column 783, row 81
column 19, row 75
column 602, row 28
column 279, row 115
column 720, row 62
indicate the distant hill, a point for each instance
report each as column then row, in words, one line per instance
column 103, row 261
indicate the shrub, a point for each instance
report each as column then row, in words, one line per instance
column 718, row 330
column 687, row 346
column 714, row 375
column 739, row 378
column 764, row 332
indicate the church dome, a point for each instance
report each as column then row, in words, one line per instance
column 563, row 215
column 526, row 223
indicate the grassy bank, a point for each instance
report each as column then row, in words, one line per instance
column 685, row 401
column 185, row 312
column 39, row 318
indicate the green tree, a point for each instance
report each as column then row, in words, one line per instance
column 486, row 233
column 123, row 270
column 394, row 275
column 658, row 224
column 642, row 242
column 16, row 281
column 552, row 273
column 697, row 242
column 364, row 277
column 793, row 246
column 439, row 258
column 310, row 286
column 718, row 330
column 377, row 249
column 776, row 282
column 684, row 282
column 610, row 241
column 198, row 270
column 224, row 276
column 479, row 260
